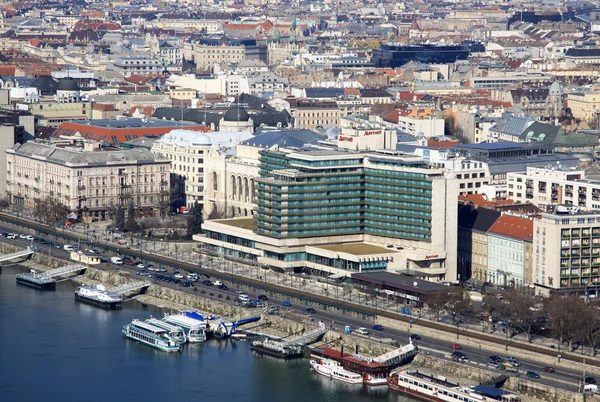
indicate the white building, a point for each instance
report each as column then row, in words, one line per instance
column 188, row 151
column 361, row 132
column 427, row 126
column 543, row 187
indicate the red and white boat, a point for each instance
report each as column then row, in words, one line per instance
column 332, row 369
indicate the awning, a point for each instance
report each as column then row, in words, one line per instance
column 336, row 276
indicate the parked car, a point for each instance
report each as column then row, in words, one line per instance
column 207, row 282
column 239, row 291
column 549, row 369
column 142, row 273
column 140, row 265
column 223, row 287
column 414, row 337
column 362, row 331
column 455, row 346
column 262, row 297
column 459, row 357
column 186, row 284
column 286, row 304
column 177, row 275
column 532, row 374
column 161, row 269
column 11, row 236
column 311, row 310
column 217, row 283
column 150, row 267
column 496, row 365
column 28, row 237
column 129, row 262
column 378, row 327
column 192, row 277
column 496, row 359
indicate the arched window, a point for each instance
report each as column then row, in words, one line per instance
column 246, row 190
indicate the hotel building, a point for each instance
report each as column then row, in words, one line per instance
column 334, row 212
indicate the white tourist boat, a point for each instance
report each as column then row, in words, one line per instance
column 151, row 335
column 175, row 331
column 333, row 369
column 98, row 296
column 194, row 329
column 429, row 388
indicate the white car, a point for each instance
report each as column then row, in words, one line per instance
column 22, row 236
column 28, row 237
column 177, row 275
column 362, row 331
column 140, row 265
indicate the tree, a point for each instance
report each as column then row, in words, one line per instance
column 131, row 223
column 458, row 303
column 590, row 328
column 120, row 218
column 565, row 319
column 436, row 303
column 49, row 210
column 195, row 220
column 4, row 203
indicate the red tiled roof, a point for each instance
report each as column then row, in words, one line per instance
column 482, row 201
column 7, row 70
column 513, row 226
column 107, row 133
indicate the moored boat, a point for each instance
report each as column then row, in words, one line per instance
column 277, row 349
column 333, row 369
column 98, row 296
column 36, row 280
column 429, row 388
column 175, row 332
column 151, row 335
column 195, row 330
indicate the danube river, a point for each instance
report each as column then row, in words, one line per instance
column 54, row 349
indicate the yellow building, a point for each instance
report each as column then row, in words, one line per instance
column 183, row 93
column 584, row 105
column 87, row 259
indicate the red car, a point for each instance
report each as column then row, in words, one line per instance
column 549, row 369
column 455, row 346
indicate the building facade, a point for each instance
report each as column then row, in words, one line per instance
column 548, row 187
column 312, row 114
column 343, row 212
column 567, row 253
column 90, row 182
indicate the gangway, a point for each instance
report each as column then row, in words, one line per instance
column 307, row 337
column 130, row 287
column 67, row 269
column 18, row 254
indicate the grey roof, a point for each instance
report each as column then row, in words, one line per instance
column 285, row 138
column 405, row 282
column 236, row 113
column 71, row 157
column 479, row 219
column 512, row 126
column 508, row 165
column 324, row 92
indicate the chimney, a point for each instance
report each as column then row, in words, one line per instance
column 342, row 353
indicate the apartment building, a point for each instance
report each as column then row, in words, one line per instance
column 362, row 132
column 314, row 114
column 584, row 105
column 137, row 65
column 87, row 180
column 421, row 126
column 470, row 174
column 509, row 257
column 473, row 225
column 567, row 253
column 209, row 51
column 335, row 212
column 546, row 187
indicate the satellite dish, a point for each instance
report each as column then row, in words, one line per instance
column 415, row 283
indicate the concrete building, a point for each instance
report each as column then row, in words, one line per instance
column 360, row 132
column 567, row 253
column 425, row 126
column 507, row 256
column 313, row 213
column 584, row 105
column 137, row 65
column 209, row 51
column 548, row 187
column 470, row 174
column 87, row 180
column 188, row 150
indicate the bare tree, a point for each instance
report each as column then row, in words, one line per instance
column 565, row 319
column 590, row 326
column 436, row 303
column 4, row 203
column 49, row 210
column 458, row 303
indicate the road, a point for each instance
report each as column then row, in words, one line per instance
column 564, row 378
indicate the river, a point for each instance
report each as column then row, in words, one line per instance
column 55, row 349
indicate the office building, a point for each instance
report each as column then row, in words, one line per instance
column 396, row 55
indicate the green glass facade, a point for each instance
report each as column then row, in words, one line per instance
column 327, row 197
